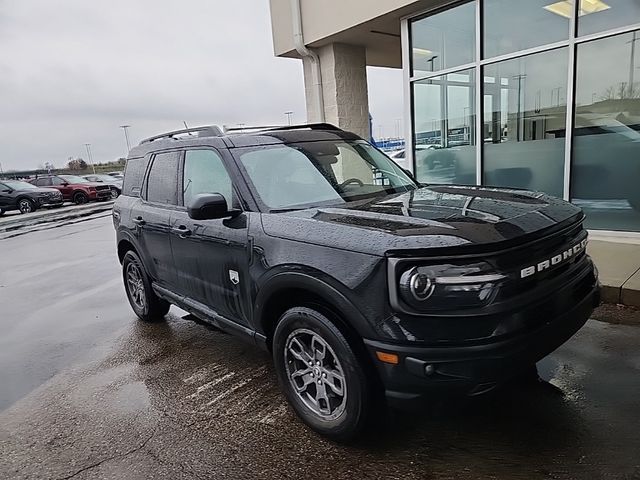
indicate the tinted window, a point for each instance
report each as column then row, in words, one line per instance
column 443, row 40
column 133, row 177
column 512, row 25
column 43, row 182
column 204, row 172
column 162, row 186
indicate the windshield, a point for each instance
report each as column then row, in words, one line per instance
column 73, row 179
column 18, row 185
column 321, row 173
column 105, row 178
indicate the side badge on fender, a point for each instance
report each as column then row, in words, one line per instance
column 234, row 277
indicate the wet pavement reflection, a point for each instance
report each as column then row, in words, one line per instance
column 183, row 400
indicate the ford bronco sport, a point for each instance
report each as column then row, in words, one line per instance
column 312, row 244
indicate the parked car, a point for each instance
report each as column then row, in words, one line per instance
column 114, row 183
column 74, row 188
column 118, row 175
column 26, row 198
column 312, row 244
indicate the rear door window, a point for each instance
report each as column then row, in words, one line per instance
column 43, row 182
column 162, row 182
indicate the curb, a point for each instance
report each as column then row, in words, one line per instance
column 54, row 216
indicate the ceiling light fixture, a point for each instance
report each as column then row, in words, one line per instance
column 564, row 7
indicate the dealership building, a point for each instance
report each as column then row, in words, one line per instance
column 535, row 94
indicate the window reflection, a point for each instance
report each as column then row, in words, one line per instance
column 444, row 119
column 443, row 40
column 512, row 25
column 524, row 122
column 605, row 172
column 600, row 15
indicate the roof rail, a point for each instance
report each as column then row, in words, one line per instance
column 206, row 131
column 311, row 126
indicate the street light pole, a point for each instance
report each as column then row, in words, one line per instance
column 88, row 145
column 288, row 114
column 126, row 136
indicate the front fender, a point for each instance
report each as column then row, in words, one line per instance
column 316, row 283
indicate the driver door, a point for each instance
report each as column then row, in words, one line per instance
column 211, row 256
column 63, row 186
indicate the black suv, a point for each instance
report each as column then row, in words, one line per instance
column 26, row 198
column 315, row 246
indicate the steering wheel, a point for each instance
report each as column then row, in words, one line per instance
column 351, row 180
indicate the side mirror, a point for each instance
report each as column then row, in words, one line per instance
column 65, row 184
column 7, row 190
column 208, row 206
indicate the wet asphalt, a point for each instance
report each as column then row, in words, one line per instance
column 87, row 391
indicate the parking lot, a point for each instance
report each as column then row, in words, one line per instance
column 90, row 392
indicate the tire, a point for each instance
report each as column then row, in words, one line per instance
column 298, row 340
column 115, row 193
column 80, row 198
column 26, row 205
column 144, row 302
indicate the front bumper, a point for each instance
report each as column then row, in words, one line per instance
column 423, row 372
column 100, row 195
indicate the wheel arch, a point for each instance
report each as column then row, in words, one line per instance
column 126, row 244
column 296, row 289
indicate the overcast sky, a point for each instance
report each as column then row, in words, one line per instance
column 72, row 71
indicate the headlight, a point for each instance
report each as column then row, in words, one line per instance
column 448, row 286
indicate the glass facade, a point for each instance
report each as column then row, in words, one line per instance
column 496, row 85
column 444, row 122
column 605, row 174
column 443, row 41
column 525, row 116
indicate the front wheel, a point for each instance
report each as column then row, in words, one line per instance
column 115, row 193
column 145, row 303
column 26, row 206
column 80, row 198
column 320, row 374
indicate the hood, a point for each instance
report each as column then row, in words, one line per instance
column 427, row 218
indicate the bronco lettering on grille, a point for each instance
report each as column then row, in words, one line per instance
column 555, row 260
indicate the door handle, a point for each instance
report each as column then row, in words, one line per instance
column 139, row 221
column 181, row 231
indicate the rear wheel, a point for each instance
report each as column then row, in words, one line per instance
column 80, row 198
column 26, row 205
column 145, row 303
column 115, row 193
column 322, row 377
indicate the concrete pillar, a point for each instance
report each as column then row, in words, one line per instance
column 344, row 88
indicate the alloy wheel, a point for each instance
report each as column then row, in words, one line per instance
column 25, row 206
column 315, row 373
column 135, row 286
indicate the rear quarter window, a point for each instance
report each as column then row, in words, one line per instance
column 133, row 175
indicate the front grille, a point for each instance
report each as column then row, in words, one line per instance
column 540, row 282
column 102, row 187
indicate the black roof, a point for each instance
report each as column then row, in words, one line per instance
column 241, row 137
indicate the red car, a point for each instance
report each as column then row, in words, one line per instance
column 74, row 189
